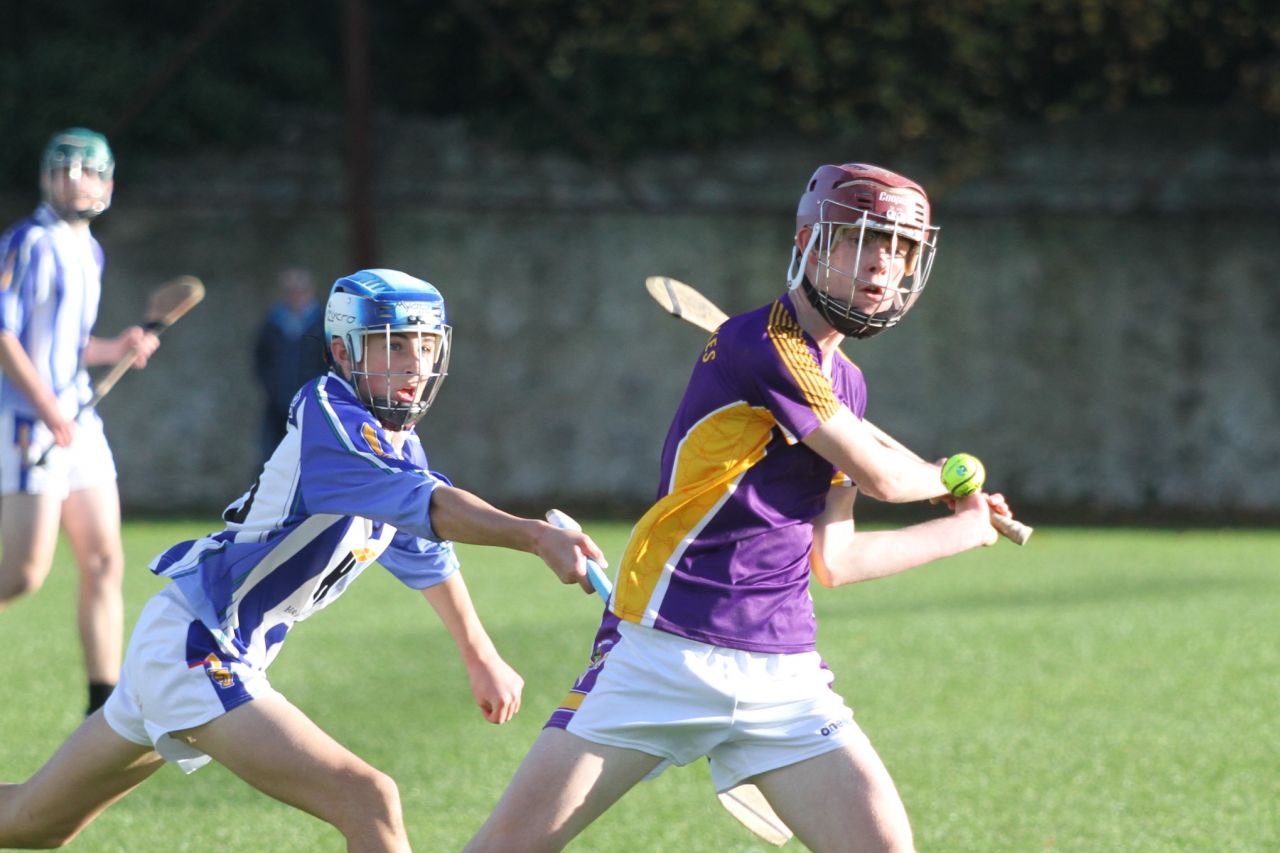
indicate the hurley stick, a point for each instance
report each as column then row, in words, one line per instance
column 165, row 306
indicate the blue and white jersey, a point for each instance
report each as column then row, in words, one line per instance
column 50, row 284
column 334, row 497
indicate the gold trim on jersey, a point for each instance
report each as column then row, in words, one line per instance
column 710, row 461
column 788, row 339
column 370, row 436
column 6, row 272
column 712, row 458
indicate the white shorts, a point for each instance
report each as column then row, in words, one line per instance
column 175, row 677
column 86, row 463
column 680, row 699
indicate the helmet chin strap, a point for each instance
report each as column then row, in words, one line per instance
column 94, row 210
column 86, row 215
column 848, row 321
column 853, row 324
column 66, row 208
column 399, row 418
column 393, row 415
column 71, row 213
column 795, row 270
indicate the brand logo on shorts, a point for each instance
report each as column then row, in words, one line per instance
column 600, row 652
column 833, row 726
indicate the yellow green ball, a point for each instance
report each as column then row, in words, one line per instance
column 963, row 474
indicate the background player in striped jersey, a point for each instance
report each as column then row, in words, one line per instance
column 708, row 646
column 348, row 484
column 50, row 282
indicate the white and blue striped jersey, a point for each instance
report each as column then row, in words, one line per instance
column 50, row 284
column 334, row 497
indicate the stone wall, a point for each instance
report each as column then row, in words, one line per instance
column 1100, row 326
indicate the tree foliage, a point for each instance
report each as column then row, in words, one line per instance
column 629, row 77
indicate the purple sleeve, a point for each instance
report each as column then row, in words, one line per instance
column 780, row 369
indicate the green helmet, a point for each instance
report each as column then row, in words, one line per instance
column 77, row 150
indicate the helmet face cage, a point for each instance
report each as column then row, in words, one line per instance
column 849, row 204
column 75, row 153
column 839, row 223
column 424, row 381
column 376, row 312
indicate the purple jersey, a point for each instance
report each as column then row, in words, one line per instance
column 722, row 557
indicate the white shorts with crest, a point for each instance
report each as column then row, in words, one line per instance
column 86, row 463
column 176, row 677
column 680, row 699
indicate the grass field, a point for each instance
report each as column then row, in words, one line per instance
column 1096, row 691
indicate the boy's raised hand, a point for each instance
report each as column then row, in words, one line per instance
column 566, row 551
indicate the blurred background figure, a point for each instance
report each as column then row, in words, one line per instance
column 289, row 351
column 56, row 469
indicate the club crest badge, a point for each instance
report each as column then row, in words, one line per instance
column 220, row 674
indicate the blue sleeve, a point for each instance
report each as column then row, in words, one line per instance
column 19, row 259
column 419, row 563
column 348, row 466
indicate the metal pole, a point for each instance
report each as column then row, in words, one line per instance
column 358, row 142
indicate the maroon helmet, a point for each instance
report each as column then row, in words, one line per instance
column 843, row 203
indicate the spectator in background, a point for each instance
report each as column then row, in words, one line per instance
column 289, row 351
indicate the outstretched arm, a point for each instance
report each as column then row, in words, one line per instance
column 881, row 470
column 495, row 685
column 842, row 555
column 460, row 516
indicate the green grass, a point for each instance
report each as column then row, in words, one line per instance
column 1094, row 691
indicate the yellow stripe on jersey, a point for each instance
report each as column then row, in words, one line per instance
column 714, row 455
column 6, row 270
column 788, row 339
column 371, row 438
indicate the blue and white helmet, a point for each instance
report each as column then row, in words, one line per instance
column 367, row 309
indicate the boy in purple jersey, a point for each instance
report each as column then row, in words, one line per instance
column 348, row 485
column 708, row 645
column 50, row 281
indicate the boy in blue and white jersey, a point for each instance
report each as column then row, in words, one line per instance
column 50, row 284
column 348, row 485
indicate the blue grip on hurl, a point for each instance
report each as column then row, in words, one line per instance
column 599, row 580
